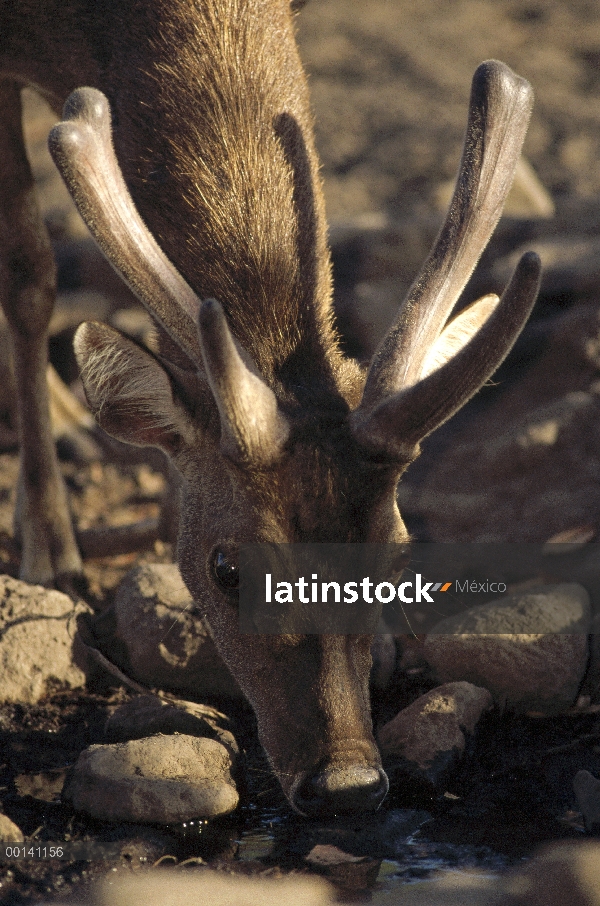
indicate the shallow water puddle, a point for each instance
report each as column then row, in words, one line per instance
column 366, row 861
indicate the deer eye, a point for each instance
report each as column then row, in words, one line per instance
column 226, row 570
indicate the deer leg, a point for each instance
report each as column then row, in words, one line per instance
column 27, row 292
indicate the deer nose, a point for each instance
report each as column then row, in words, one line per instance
column 341, row 791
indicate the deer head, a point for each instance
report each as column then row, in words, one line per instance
column 268, row 460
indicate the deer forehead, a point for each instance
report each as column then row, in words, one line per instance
column 322, row 489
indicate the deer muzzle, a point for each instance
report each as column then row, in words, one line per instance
column 340, row 790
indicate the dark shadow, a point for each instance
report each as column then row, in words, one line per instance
column 292, row 141
column 295, row 373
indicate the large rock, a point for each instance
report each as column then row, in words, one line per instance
column 164, row 888
column 529, row 649
column 456, row 888
column 146, row 715
column 560, row 873
column 163, row 642
column 39, row 644
column 424, row 742
column 158, row 780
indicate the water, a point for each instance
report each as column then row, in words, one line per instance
column 367, row 859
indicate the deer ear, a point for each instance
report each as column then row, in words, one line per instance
column 128, row 391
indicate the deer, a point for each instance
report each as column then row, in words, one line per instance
column 191, row 157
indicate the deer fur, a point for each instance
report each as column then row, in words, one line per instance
column 210, row 206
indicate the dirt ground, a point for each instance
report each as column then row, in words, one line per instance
column 390, row 83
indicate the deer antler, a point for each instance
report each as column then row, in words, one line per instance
column 82, row 149
column 401, row 403
column 253, row 429
column 402, row 419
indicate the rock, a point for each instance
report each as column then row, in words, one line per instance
column 454, row 888
column 342, row 868
column 45, row 787
column 383, row 652
column 569, row 540
column 529, row 649
column 146, row 715
column 83, row 268
column 587, row 790
column 425, row 741
column 164, row 888
column 560, row 873
column 9, row 832
column 38, row 641
column 366, row 312
column 159, row 780
column 325, row 854
column 568, row 264
column 165, row 643
column 530, row 442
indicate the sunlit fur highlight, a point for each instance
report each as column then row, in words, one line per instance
column 113, row 368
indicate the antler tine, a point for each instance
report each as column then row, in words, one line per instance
column 253, row 428
column 400, row 421
column 499, row 111
column 82, row 149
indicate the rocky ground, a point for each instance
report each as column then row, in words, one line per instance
column 390, row 84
